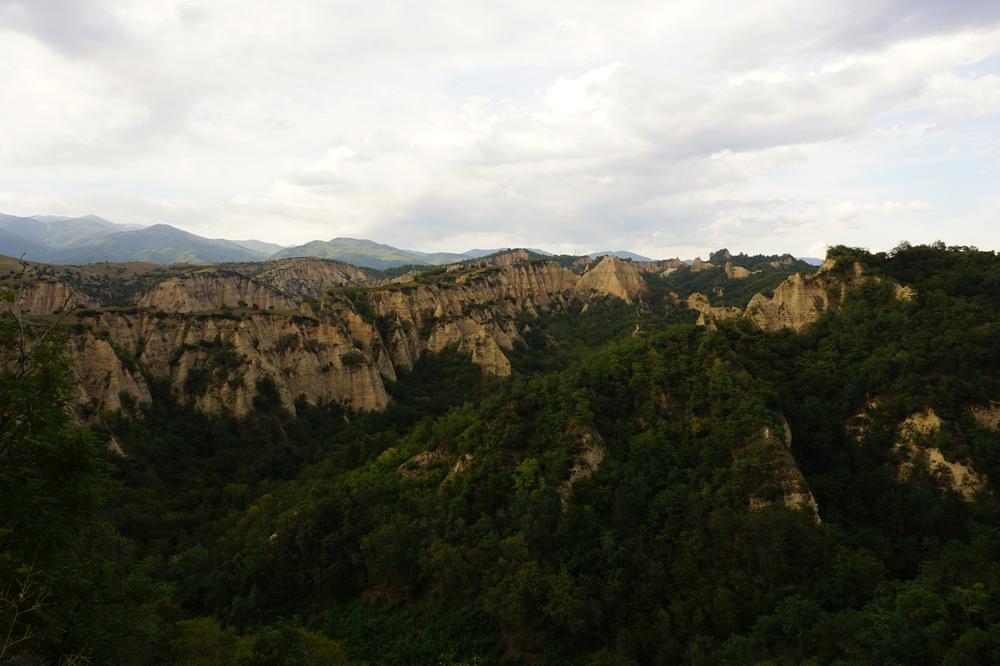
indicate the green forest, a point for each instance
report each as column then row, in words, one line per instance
column 469, row 523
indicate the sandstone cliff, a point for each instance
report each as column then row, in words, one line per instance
column 497, row 260
column 915, row 448
column 305, row 277
column 211, row 290
column 801, row 300
column 796, row 303
column 216, row 363
column 735, row 272
column 614, row 277
column 784, row 479
column 476, row 312
column 588, row 460
column 659, row 267
column 46, row 297
column 708, row 314
column 214, row 334
column 988, row 415
column 103, row 380
column 698, row 265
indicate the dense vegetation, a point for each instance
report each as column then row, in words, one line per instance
column 445, row 530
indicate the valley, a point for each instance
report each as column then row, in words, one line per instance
column 517, row 458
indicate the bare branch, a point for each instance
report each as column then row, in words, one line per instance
column 28, row 598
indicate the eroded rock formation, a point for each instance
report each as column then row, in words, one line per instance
column 218, row 363
column 614, row 277
column 47, row 297
column 915, row 448
column 588, row 460
column 708, row 314
column 783, row 478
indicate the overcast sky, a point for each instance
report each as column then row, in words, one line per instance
column 669, row 128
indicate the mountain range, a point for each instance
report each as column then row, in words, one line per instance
column 516, row 460
column 91, row 239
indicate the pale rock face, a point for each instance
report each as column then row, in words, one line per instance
column 698, row 265
column 210, row 290
column 987, row 416
column 795, row 491
column 614, row 277
column 708, row 314
column 592, row 454
column 418, row 466
column 310, row 278
column 859, row 424
column 827, row 265
column 498, row 260
column 912, row 449
column 786, row 260
column 904, row 293
column 45, row 298
column 801, row 300
column 476, row 314
column 421, row 465
column 101, row 377
column 736, row 272
column 662, row 267
column 301, row 357
column 461, row 465
column 797, row 302
column 331, row 354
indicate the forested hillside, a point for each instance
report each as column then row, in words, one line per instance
column 638, row 490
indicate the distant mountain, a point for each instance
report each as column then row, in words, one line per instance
column 357, row 251
column 13, row 245
column 369, row 254
column 45, row 236
column 262, row 247
column 812, row 261
column 162, row 244
column 89, row 238
column 621, row 254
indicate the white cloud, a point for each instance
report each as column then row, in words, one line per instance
column 663, row 127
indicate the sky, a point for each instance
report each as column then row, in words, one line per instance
column 667, row 128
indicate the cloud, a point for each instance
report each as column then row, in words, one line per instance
column 657, row 126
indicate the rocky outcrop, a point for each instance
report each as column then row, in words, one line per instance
column 801, row 300
column 588, row 460
column 272, row 285
column 48, row 297
column 219, row 336
column 987, row 416
column 476, row 313
column 425, row 464
column 221, row 363
column 784, row 261
column 614, row 277
column 460, row 466
column 797, row 302
column 102, row 378
column 498, row 260
column 859, row 425
column 783, row 478
column 661, row 267
column 211, row 290
column 735, row 272
column 698, row 265
column 306, row 278
column 708, row 314
column 420, row 465
column 914, row 448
